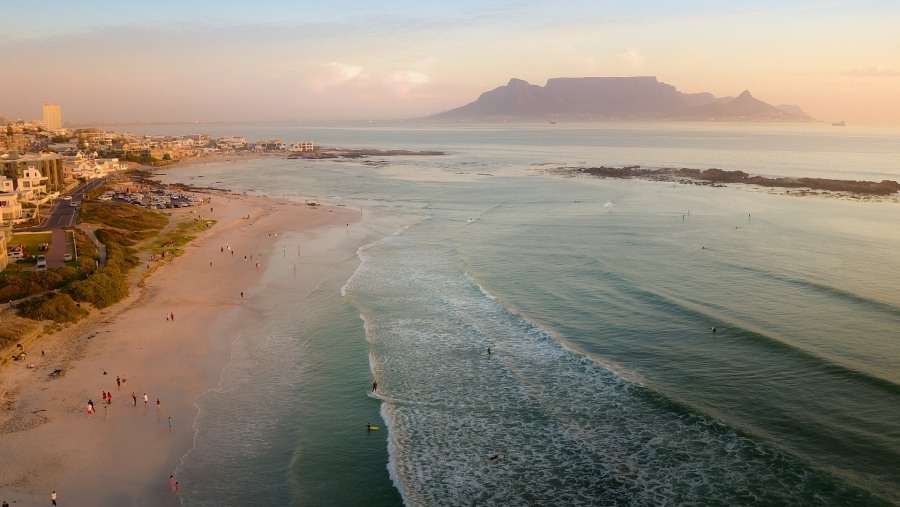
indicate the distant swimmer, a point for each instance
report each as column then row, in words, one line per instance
column 714, row 329
column 495, row 457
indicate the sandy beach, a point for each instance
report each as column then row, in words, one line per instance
column 124, row 453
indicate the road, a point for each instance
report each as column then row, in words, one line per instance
column 62, row 214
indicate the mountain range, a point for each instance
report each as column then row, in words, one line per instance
column 615, row 98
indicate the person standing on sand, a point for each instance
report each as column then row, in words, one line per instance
column 172, row 483
column 118, row 382
column 374, row 385
column 170, row 424
column 109, row 399
column 134, row 397
column 53, row 497
column 158, row 406
column 104, row 397
column 90, row 409
column 145, row 400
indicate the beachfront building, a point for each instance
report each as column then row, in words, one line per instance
column 231, row 142
column 303, row 146
column 52, row 116
column 88, row 170
column 111, row 165
column 10, row 207
column 44, row 171
column 270, row 145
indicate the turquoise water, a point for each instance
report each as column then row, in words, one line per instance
column 605, row 384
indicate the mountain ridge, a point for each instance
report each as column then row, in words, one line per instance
column 615, row 98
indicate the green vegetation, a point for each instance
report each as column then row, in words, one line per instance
column 53, row 306
column 31, row 241
column 16, row 284
column 142, row 222
column 124, row 226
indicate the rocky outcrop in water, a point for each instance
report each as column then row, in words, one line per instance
column 717, row 176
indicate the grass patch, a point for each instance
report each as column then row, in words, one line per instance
column 31, row 241
column 142, row 223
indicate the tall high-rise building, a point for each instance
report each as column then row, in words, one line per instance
column 52, row 117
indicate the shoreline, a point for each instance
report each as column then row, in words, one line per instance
column 48, row 440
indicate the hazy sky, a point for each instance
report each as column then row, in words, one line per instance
column 200, row 60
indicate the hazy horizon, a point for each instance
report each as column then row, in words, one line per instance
column 215, row 62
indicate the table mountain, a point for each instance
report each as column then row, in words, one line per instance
column 614, row 98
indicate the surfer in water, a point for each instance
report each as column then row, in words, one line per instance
column 368, row 426
column 495, row 457
column 489, row 351
column 374, row 385
column 714, row 329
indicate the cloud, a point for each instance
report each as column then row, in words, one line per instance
column 633, row 57
column 402, row 82
column 334, row 74
column 871, row 72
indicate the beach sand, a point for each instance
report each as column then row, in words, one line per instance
column 47, row 441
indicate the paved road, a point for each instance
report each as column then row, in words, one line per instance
column 62, row 214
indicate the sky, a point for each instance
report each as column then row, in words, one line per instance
column 269, row 60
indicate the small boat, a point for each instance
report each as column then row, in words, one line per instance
column 839, row 124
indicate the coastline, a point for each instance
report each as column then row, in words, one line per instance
column 48, row 440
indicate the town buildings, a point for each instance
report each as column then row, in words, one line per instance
column 52, row 116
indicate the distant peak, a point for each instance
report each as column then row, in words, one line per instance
column 517, row 82
column 745, row 95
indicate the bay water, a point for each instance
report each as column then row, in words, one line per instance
column 605, row 383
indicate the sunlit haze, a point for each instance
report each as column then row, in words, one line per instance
column 277, row 60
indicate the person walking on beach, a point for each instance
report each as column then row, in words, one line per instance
column 109, row 399
column 145, row 400
column 158, row 406
column 172, row 483
column 170, row 424
column 374, row 385
column 90, row 409
column 134, row 398
column 104, row 397
column 118, row 382
column 53, row 497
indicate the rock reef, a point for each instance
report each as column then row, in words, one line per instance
column 718, row 176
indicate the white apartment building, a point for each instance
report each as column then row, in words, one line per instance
column 303, row 146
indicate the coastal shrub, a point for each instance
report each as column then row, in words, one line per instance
column 28, row 283
column 55, row 306
column 141, row 223
column 102, row 289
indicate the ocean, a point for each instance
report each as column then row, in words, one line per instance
column 605, row 383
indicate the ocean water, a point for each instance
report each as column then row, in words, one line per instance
column 605, row 384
